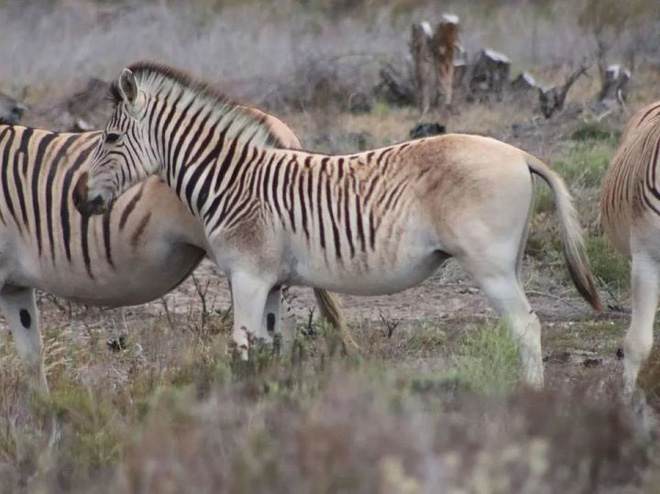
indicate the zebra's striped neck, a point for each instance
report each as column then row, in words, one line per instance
column 189, row 126
column 175, row 91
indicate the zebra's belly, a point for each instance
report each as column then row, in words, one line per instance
column 134, row 280
column 360, row 277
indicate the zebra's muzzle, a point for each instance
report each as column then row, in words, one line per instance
column 84, row 203
column 94, row 206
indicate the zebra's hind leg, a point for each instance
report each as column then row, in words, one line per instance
column 639, row 338
column 21, row 314
column 250, row 294
column 499, row 280
column 508, row 298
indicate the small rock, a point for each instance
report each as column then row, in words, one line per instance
column 11, row 110
column 427, row 129
column 592, row 362
column 117, row 344
column 558, row 357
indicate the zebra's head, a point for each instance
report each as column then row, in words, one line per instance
column 120, row 159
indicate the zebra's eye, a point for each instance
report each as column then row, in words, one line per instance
column 112, row 138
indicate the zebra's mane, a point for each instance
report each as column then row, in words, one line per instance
column 641, row 145
column 164, row 81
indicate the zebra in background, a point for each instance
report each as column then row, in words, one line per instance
column 371, row 223
column 630, row 212
column 140, row 249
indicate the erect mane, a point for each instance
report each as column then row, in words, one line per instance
column 164, row 81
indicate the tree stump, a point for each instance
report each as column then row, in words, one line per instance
column 552, row 99
column 460, row 69
column 615, row 84
column 524, row 83
column 443, row 48
column 420, row 50
column 396, row 88
column 490, row 74
column 524, row 88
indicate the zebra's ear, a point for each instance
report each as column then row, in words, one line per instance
column 128, row 87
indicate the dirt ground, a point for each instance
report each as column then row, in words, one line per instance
column 577, row 342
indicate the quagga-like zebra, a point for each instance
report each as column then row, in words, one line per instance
column 630, row 212
column 137, row 251
column 370, row 223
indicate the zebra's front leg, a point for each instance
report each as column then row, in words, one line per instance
column 249, row 294
column 272, row 320
column 21, row 314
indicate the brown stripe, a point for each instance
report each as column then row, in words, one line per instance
column 140, row 230
column 130, row 207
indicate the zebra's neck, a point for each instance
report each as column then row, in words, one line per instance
column 200, row 166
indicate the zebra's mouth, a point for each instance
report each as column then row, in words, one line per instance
column 86, row 201
column 95, row 206
column 90, row 207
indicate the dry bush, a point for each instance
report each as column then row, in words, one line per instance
column 258, row 50
column 370, row 434
column 186, row 418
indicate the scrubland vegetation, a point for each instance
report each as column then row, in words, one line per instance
column 147, row 399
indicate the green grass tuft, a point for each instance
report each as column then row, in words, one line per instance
column 608, row 266
column 489, row 361
column 594, row 131
column 585, row 163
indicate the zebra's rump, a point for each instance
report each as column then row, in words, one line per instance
column 139, row 250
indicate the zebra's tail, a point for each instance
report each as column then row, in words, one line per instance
column 331, row 311
column 571, row 232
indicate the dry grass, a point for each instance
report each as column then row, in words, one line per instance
column 260, row 50
column 310, row 421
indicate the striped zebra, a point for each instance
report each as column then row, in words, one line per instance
column 371, row 223
column 630, row 212
column 137, row 251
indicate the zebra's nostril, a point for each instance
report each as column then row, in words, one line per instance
column 96, row 205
